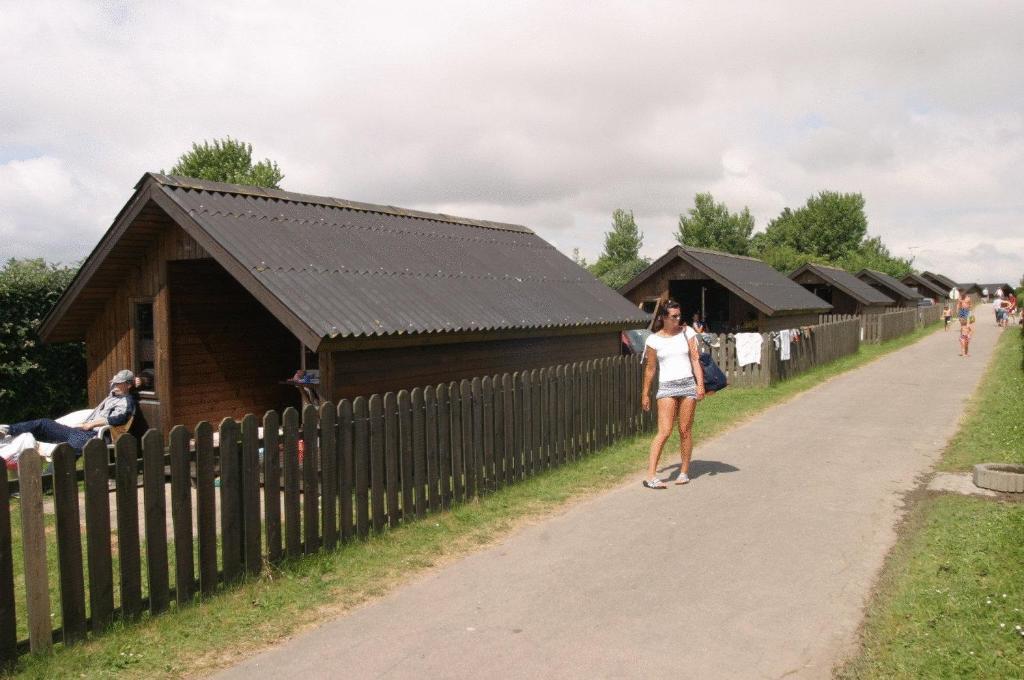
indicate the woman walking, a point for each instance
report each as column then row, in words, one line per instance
column 673, row 349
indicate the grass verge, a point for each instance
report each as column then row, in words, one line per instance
column 950, row 601
column 303, row 592
column 993, row 431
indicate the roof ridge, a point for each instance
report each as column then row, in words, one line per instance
column 718, row 252
column 525, row 243
column 196, row 184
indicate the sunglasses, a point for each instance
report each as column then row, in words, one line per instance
column 674, row 316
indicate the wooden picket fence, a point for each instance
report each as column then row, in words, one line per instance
column 891, row 324
column 826, row 341
column 366, row 464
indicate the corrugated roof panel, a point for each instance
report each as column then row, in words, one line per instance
column 861, row 291
column 891, row 283
column 760, row 280
column 351, row 272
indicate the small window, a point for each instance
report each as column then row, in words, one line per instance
column 144, row 361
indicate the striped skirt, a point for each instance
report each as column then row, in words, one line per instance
column 685, row 387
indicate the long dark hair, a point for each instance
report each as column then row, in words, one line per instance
column 663, row 310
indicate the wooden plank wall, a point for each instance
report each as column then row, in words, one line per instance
column 229, row 353
column 142, row 268
column 366, row 372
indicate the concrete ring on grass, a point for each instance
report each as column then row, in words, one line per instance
column 1000, row 477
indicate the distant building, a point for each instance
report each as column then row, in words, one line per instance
column 846, row 293
column 732, row 292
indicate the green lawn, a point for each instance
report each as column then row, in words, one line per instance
column 993, row 430
column 303, row 592
column 950, row 602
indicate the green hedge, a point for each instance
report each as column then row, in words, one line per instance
column 36, row 380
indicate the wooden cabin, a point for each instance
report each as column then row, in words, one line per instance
column 901, row 295
column 732, row 292
column 925, row 287
column 219, row 293
column 944, row 282
column 845, row 292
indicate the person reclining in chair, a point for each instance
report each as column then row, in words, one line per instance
column 117, row 408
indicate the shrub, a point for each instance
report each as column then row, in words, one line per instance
column 36, row 380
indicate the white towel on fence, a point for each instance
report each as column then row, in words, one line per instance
column 748, row 348
column 785, row 337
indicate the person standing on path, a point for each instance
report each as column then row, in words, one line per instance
column 947, row 314
column 966, row 331
column 672, row 348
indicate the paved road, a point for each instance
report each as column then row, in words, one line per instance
column 757, row 569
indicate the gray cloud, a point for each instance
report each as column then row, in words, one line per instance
column 546, row 115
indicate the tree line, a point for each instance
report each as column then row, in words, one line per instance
column 830, row 228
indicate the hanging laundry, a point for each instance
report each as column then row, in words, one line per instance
column 748, row 348
column 782, row 342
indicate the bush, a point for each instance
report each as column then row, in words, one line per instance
column 36, row 380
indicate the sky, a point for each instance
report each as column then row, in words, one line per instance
column 547, row 114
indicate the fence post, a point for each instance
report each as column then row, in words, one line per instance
column 310, row 479
column 430, row 420
column 181, row 515
column 346, row 470
column 230, row 501
column 444, row 447
column 292, row 507
column 206, row 508
column 69, row 545
column 128, row 548
column 252, row 526
column 153, row 483
column 272, row 484
column 469, row 453
column 419, row 453
column 508, row 427
column 455, row 408
column 361, row 465
column 474, row 447
column 405, row 458
column 97, row 534
column 377, row 463
column 486, row 395
column 328, row 415
column 33, row 542
column 391, row 457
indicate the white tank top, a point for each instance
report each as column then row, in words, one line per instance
column 673, row 355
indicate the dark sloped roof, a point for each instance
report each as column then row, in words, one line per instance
column 890, row 283
column 343, row 269
column 751, row 279
column 927, row 284
column 944, row 281
column 1007, row 288
column 846, row 282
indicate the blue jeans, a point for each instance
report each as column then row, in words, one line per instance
column 52, row 432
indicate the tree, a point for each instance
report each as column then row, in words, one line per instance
column 620, row 260
column 830, row 226
column 872, row 254
column 36, row 380
column 711, row 225
column 227, row 160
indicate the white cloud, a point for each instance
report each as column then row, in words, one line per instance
column 550, row 115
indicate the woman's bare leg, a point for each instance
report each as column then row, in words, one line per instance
column 687, row 408
column 666, row 414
